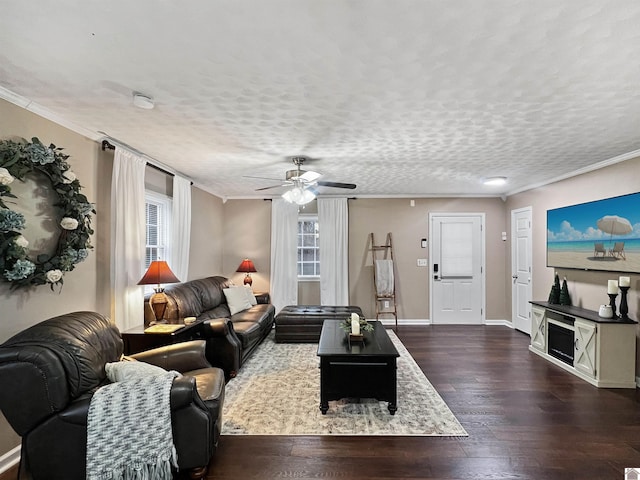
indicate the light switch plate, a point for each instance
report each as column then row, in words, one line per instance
column 422, row 262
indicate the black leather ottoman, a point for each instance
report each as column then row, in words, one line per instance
column 303, row 323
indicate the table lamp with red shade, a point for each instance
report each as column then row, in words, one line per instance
column 158, row 273
column 247, row 267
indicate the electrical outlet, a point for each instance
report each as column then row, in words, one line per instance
column 386, row 304
column 422, row 262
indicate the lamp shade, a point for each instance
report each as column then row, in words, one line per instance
column 157, row 273
column 246, row 266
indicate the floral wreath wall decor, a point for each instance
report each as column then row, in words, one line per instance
column 17, row 160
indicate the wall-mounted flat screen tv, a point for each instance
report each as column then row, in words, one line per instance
column 600, row 235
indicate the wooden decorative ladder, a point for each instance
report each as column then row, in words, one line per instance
column 386, row 253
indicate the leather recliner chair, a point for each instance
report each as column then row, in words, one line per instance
column 50, row 371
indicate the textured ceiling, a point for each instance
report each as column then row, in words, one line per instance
column 401, row 97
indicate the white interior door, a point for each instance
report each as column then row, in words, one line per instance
column 521, row 259
column 457, row 268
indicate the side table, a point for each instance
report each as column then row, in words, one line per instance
column 137, row 340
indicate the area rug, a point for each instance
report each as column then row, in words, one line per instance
column 277, row 392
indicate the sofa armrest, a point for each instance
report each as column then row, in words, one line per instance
column 224, row 349
column 181, row 357
column 263, row 297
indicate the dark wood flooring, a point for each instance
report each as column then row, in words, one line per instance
column 526, row 419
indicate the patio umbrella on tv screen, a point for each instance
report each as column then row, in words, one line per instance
column 614, row 225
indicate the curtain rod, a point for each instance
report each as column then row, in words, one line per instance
column 108, row 146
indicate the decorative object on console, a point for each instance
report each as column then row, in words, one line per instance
column 624, row 284
column 554, row 295
column 605, row 311
column 612, row 291
column 247, row 267
column 158, row 273
column 565, row 297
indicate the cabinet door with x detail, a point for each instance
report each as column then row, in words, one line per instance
column 585, row 347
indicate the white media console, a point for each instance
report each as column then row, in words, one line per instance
column 601, row 351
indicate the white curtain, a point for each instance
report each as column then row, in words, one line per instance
column 284, row 253
column 333, row 220
column 128, row 239
column 180, row 228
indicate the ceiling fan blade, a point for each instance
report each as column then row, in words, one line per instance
column 350, row 186
column 310, row 176
column 263, row 178
column 272, row 186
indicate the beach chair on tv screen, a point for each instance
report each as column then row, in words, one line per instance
column 599, row 248
column 618, row 250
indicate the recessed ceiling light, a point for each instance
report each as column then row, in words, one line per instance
column 142, row 101
column 495, row 181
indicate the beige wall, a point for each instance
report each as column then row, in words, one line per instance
column 88, row 286
column 408, row 225
column 205, row 254
column 588, row 289
column 247, row 234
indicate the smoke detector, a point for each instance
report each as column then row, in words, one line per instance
column 142, row 101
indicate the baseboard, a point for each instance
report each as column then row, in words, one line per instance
column 637, row 382
column 425, row 321
column 500, row 323
column 405, row 321
column 9, row 459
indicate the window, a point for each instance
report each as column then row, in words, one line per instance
column 158, row 227
column 308, row 249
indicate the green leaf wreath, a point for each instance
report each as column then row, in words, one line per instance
column 17, row 160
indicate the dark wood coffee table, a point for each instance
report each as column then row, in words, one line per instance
column 357, row 370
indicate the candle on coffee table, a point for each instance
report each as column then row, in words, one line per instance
column 612, row 287
column 624, row 281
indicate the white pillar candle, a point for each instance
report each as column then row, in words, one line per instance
column 612, row 287
column 624, row 281
column 355, row 316
column 355, row 326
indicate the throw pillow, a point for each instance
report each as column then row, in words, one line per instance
column 250, row 296
column 128, row 370
column 236, row 299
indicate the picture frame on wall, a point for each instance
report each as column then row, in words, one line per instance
column 599, row 235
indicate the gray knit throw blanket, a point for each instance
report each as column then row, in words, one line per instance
column 129, row 433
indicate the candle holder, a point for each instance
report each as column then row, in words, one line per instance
column 624, row 308
column 612, row 302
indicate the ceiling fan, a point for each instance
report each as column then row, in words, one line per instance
column 303, row 183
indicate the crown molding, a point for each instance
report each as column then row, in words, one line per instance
column 596, row 166
column 43, row 112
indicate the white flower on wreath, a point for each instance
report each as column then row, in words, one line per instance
column 21, row 241
column 69, row 223
column 5, row 177
column 68, row 177
column 53, row 276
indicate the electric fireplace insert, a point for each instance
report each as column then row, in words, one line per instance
column 561, row 340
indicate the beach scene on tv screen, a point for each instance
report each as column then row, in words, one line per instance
column 600, row 235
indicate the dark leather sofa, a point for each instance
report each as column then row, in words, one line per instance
column 50, row 371
column 231, row 339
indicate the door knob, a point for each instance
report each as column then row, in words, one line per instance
column 514, row 276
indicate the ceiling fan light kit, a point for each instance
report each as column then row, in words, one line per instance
column 299, row 195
